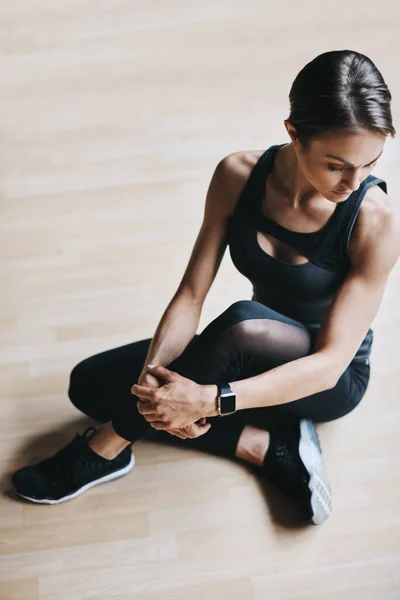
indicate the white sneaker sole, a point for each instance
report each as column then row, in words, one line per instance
column 310, row 454
column 109, row 477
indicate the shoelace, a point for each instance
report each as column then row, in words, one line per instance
column 64, row 458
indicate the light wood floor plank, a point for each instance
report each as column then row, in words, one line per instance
column 236, row 589
column 25, row 589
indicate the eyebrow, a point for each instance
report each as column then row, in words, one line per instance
column 349, row 163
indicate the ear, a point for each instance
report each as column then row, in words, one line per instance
column 291, row 129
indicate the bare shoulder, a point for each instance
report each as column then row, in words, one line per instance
column 378, row 210
column 242, row 162
column 234, row 170
column 377, row 225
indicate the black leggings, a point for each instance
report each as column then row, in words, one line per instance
column 247, row 339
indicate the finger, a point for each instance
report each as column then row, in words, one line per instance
column 158, row 425
column 153, row 418
column 201, row 421
column 193, row 430
column 150, row 414
column 145, row 408
column 203, row 429
column 142, row 391
column 177, row 433
column 160, row 371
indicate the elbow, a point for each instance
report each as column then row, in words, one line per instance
column 331, row 383
column 337, row 374
column 332, row 371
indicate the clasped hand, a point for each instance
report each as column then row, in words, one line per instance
column 171, row 402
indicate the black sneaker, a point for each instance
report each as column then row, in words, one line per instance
column 294, row 464
column 70, row 472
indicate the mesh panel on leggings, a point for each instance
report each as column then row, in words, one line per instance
column 249, row 348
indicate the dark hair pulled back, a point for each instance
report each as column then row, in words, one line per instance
column 341, row 90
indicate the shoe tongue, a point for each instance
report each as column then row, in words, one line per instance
column 76, row 445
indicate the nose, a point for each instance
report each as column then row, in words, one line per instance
column 352, row 182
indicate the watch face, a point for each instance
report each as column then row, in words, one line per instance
column 228, row 403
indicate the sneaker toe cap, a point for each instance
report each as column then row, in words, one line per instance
column 29, row 482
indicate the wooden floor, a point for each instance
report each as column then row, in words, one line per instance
column 113, row 116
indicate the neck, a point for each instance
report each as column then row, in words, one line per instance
column 289, row 180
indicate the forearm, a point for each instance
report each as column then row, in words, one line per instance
column 175, row 330
column 291, row 381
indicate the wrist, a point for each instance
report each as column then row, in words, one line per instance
column 210, row 400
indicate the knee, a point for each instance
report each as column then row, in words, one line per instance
column 240, row 309
column 254, row 333
column 252, row 327
column 273, row 337
column 79, row 381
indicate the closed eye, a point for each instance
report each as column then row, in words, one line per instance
column 343, row 168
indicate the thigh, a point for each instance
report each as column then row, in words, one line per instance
column 244, row 310
column 247, row 336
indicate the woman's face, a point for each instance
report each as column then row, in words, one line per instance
column 356, row 155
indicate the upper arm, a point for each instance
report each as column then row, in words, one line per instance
column 209, row 248
column 373, row 251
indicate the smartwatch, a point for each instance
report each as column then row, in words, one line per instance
column 226, row 399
